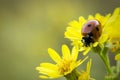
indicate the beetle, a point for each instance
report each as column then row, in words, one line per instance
column 91, row 31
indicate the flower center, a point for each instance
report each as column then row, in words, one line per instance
column 64, row 66
column 115, row 46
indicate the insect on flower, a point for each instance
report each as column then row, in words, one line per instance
column 91, row 32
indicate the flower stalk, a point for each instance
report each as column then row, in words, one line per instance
column 106, row 61
column 112, row 74
column 118, row 66
column 104, row 56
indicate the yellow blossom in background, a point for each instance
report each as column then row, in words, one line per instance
column 113, row 24
column 73, row 31
column 85, row 75
column 117, row 57
column 114, row 30
column 115, row 44
column 63, row 65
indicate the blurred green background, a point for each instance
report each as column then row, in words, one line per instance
column 29, row 27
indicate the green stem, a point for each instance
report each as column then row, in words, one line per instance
column 103, row 53
column 110, row 73
column 107, row 63
column 118, row 66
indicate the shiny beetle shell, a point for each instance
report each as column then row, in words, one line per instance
column 91, row 32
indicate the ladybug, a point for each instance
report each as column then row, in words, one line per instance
column 91, row 32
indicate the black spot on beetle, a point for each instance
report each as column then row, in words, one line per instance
column 89, row 25
column 97, row 29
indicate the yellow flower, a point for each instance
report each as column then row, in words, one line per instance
column 114, row 30
column 115, row 44
column 74, row 31
column 62, row 66
column 85, row 75
column 117, row 57
column 108, row 23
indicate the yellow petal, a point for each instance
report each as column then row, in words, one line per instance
column 90, row 17
column 103, row 38
column 54, row 55
column 80, row 61
column 82, row 49
column 106, row 18
column 81, row 19
column 43, row 76
column 48, row 72
column 89, row 66
column 49, row 66
column 75, row 53
column 81, row 22
column 72, row 33
column 44, row 70
column 116, row 12
column 117, row 57
column 95, row 44
column 46, row 76
column 65, row 51
column 86, row 51
column 98, row 16
column 75, row 24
